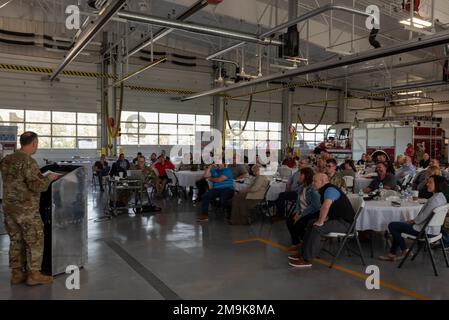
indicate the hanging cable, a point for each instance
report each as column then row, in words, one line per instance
column 246, row 119
column 299, row 119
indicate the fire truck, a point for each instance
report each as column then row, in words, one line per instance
column 391, row 135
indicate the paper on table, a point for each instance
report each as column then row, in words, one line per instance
column 46, row 173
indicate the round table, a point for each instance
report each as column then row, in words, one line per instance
column 361, row 183
column 378, row 214
column 275, row 189
column 188, row 178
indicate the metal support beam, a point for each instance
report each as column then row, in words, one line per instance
column 287, row 106
column 88, row 34
column 297, row 20
column 197, row 6
column 196, row 28
column 411, row 45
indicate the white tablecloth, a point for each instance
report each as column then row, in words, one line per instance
column 378, row 214
column 275, row 189
column 360, row 183
column 188, row 178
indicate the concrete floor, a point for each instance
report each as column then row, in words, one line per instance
column 170, row 256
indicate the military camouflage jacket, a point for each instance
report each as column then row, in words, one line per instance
column 22, row 183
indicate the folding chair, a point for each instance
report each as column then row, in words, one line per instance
column 349, row 181
column 262, row 209
column 173, row 185
column 358, row 205
column 435, row 220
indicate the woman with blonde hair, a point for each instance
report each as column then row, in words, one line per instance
column 247, row 199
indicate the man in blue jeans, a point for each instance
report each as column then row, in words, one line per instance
column 222, row 187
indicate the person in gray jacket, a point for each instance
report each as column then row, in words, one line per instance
column 435, row 185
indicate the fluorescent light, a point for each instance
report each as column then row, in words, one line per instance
column 409, row 93
column 418, row 23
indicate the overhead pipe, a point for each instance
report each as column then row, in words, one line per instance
column 135, row 73
column 103, row 18
column 226, row 61
column 411, row 45
column 197, row 6
column 297, row 20
column 196, row 28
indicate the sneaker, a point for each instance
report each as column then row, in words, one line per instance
column 203, row 218
column 294, row 257
column 301, row 263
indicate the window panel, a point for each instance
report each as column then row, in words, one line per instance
column 44, row 142
column 168, row 118
column 149, row 117
column 64, row 130
column 87, row 118
column 261, row 125
column 63, row 117
column 11, row 115
column 186, row 140
column 87, row 131
column 202, row 128
column 274, row 135
column 129, row 139
column 186, row 118
column 261, row 135
column 86, row 143
column 64, row 143
column 248, row 135
column 148, row 128
column 129, row 127
column 167, row 140
column 148, row 140
column 190, row 130
column 129, row 116
column 168, row 129
column 38, row 116
column 200, row 119
column 274, row 126
column 40, row 129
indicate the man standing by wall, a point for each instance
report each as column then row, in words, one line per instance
column 22, row 186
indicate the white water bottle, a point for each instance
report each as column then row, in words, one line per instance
column 381, row 191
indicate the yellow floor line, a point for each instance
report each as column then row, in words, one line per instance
column 342, row 269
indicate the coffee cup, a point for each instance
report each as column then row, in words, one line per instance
column 120, row 174
column 415, row 195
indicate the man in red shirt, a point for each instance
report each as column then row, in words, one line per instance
column 410, row 151
column 161, row 165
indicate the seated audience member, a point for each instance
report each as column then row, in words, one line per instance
column 349, row 169
column 336, row 215
column 425, row 162
column 137, row 157
column 245, row 200
column 387, row 179
column 161, row 166
column 290, row 194
column 289, row 160
column 369, row 161
column 362, row 160
column 320, row 166
column 222, row 187
column 153, row 159
column 101, row 168
column 423, row 179
column 122, row 162
column 435, row 185
column 304, row 163
column 399, row 161
column 383, row 158
column 407, row 169
column 148, row 172
column 335, row 177
column 307, row 208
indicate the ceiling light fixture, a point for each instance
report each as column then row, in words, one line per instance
column 409, row 93
column 417, row 23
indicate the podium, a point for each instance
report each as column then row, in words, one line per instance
column 63, row 208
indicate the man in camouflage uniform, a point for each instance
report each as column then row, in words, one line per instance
column 22, row 186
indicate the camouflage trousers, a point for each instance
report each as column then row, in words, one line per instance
column 26, row 234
